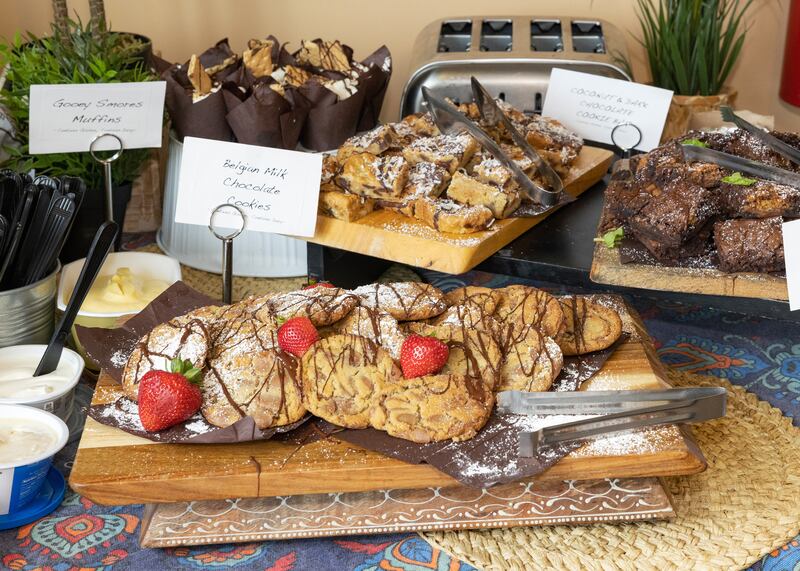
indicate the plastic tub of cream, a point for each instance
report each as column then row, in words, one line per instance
column 53, row 392
column 29, row 438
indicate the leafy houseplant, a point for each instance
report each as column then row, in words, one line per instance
column 692, row 46
column 73, row 54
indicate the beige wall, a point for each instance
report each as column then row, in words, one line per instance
column 180, row 27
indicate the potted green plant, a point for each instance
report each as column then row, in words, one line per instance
column 692, row 46
column 74, row 53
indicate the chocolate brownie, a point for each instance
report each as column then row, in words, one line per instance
column 750, row 245
column 696, row 246
column 763, row 199
column 675, row 213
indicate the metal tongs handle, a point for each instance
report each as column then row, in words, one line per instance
column 745, row 166
column 491, row 114
column 661, row 407
column 773, row 142
column 450, row 121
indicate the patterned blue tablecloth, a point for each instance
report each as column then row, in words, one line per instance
column 761, row 355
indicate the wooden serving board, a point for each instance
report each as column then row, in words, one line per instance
column 392, row 236
column 114, row 467
column 396, row 511
column 608, row 269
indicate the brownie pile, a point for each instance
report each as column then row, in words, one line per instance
column 678, row 210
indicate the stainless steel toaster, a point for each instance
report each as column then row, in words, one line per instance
column 511, row 56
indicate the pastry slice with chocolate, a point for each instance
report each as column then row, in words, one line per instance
column 374, row 142
column 451, row 217
column 450, row 152
column 470, row 191
column 750, row 245
column 374, row 177
column 343, row 205
column 422, row 124
column 424, row 180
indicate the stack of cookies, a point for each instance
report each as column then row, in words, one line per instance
column 446, row 181
column 355, row 371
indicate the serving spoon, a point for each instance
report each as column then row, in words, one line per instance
column 103, row 240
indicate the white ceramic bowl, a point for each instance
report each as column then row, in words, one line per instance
column 59, row 401
column 20, row 480
column 143, row 264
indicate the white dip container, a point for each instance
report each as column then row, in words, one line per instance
column 53, row 392
column 29, row 438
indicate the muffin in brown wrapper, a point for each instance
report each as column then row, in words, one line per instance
column 268, row 119
column 204, row 118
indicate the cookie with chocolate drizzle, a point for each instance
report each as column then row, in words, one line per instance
column 433, row 408
column 405, row 301
column 522, row 308
column 263, row 384
column 484, row 298
column 322, row 305
column 342, row 375
column 531, row 364
column 589, row 326
column 377, row 326
column 474, row 353
column 187, row 337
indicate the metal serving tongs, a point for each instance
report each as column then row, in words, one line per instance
column 618, row 411
column 785, row 150
column 740, row 164
column 492, row 115
column 450, row 121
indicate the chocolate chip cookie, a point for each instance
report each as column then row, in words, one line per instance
column 342, row 375
column 405, row 301
column 589, row 326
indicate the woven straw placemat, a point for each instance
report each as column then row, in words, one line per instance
column 743, row 506
column 211, row 284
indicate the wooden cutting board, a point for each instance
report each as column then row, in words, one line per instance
column 114, row 467
column 608, row 269
column 392, row 236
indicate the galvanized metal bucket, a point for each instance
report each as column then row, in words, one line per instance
column 27, row 314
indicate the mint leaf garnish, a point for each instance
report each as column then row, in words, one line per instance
column 612, row 238
column 737, row 178
column 694, row 142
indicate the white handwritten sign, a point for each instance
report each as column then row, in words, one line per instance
column 791, row 252
column 277, row 190
column 592, row 106
column 66, row 118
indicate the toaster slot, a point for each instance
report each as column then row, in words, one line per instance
column 546, row 36
column 455, row 36
column 496, row 35
column 587, row 37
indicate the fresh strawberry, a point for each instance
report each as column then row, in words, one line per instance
column 313, row 283
column 296, row 335
column 422, row 355
column 169, row 397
